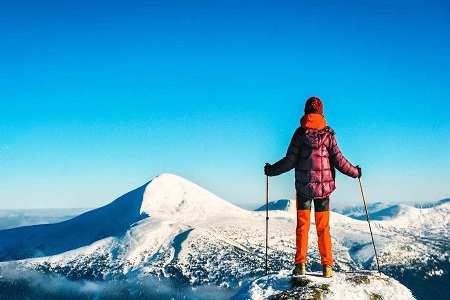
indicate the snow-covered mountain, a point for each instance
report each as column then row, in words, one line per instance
column 287, row 205
column 171, row 228
column 432, row 204
column 358, row 211
column 412, row 241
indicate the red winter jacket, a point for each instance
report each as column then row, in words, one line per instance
column 314, row 154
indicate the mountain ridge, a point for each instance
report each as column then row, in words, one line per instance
column 91, row 226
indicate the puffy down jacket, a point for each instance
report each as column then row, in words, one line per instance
column 315, row 155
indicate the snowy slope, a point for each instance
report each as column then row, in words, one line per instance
column 172, row 228
column 50, row 239
column 433, row 220
column 140, row 233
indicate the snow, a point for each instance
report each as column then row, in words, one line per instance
column 358, row 211
column 49, row 239
column 349, row 286
column 172, row 227
column 287, row 205
column 413, row 219
column 169, row 196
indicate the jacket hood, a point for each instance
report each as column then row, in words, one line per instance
column 314, row 138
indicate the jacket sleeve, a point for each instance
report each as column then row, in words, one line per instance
column 338, row 160
column 288, row 162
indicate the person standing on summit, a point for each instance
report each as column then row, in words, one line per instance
column 315, row 155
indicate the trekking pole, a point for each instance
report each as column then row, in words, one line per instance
column 370, row 228
column 267, row 217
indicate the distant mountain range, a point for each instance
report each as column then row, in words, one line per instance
column 10, row 218
column 173, row 229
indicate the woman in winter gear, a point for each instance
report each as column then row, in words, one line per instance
column 315, row 155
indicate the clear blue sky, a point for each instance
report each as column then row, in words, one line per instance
column 98, row 97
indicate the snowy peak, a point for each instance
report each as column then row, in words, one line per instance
column 392, row 212
column 167, row 198
column 282, row 204
column 172, row 197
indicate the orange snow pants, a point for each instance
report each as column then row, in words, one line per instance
column 322, row 216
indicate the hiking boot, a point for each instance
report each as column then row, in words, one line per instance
column 300, row 269
column 327, row 271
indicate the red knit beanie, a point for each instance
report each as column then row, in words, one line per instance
column 314, row 106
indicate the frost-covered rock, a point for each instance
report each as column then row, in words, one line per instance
column 349, row 286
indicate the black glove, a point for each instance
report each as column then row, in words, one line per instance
column 359, row 171
column 266, row 169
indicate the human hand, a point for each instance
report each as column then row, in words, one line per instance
column 266, row 169
column 359, row 171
